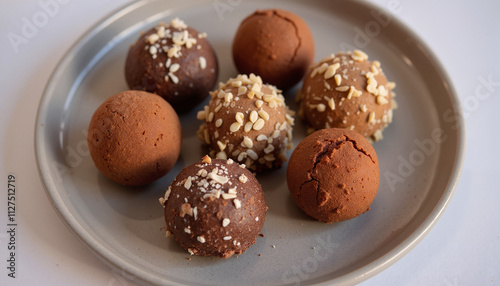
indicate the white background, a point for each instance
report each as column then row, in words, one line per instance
column 462, row 249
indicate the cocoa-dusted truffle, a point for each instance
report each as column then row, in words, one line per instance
column 134, row 137
column 215, row 208
column 348, row 91
column 174, row 61
column 247, row 121
column 333, row 175
column 274, row 44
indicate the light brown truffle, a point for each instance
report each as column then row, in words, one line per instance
column 249, row 122
column 174, row 61
column 134, row 137
column 333, row 175
column 274, row 44
column 347, row 91
column 215, row 208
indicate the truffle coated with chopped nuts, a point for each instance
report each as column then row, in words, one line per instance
column 215, row 207
column 274, row 44
column 174, row 61
column 333, row 175
column 347, row 91
column 247, row 121
column 134, row 137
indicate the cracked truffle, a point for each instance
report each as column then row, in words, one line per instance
column 249, row 122
column 333, row 175
column 174, row 61
column 274, row 44
column 347, row 91
column 134, row 137
column 215, row 208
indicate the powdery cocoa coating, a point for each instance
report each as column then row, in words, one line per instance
column 274, row 44
column 347, row 91
column 215, row 208
column 333, row 175
column 175, row 62
column 134, row 137
column 249, row 122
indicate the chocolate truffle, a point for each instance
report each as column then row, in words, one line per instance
column 348, row 91
column 214, row 208
column 247, row 121
column 274, row 44
column 174, row 61
column 134, row 137
column 333, row 175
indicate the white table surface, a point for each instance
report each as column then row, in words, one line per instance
column 462, row 249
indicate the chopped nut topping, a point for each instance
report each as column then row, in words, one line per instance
column 342, row 88
column 331, row 70
column 381, row 100
column 221, row 155
column 227, row 196
column 186, row 210
column 259, row 124
column 243, row 179
column 225, row 222
column 363, row 107
column 371, row 117
column 391, row 85
column 206, row 159
column 248, row 126
column 201, row 239
column 262, row 137
column 264, row 114
column 203, row 63
column 219, row 179
column 221, row 145
column 331, row 104
column 321, row 107
column 237, row 203
column 239, row 117
column 259, row 103
column 218, row 122
column 251, row 153
column 338, row 79
column 188, row 183
column 359, row 56
column 242, row 90
column 247, row 142
column 235, row 127
column 228, row 97
column 253, row 116
column 175, row 67
column 353, row 92
column 377, row 135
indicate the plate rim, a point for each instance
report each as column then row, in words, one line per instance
column 124, row 268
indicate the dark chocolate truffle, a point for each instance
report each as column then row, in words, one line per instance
column 333, row 175
column 215, row 208
column 134, row 137
column 174, row 61
column 274, row 44
column 348, row 91
column 249, row 122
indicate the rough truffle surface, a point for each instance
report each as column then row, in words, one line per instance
column 333, row 175
column 134, row 137
column 215, row 208
column 249, row 122
column 174, row 61
column 274, row 44
column 347, row 91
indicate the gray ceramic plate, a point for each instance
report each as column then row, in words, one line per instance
column 420, row 156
